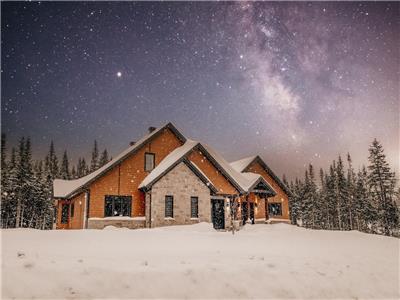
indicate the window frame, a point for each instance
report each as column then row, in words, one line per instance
column 169, row 198
column 128, row 199
column 270, row 213
column 191, row 207
column 154, row 161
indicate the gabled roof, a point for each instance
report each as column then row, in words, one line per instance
column 242, row 164
column 67, row 188
column 254, row 179
column 170, row 161
column 176, row 156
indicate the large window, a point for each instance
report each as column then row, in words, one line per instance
column 194, row 207
column 64, row 213
column 149, row 161
column 275, row 209
column 72, row 210
column 117, row 206
column 169, row 206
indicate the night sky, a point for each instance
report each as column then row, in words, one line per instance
column 293, row 82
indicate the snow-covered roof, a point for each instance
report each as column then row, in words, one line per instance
column 238, row 180
column 169, row 161
column 253, row 179
column 241, row 181
column 65, row 188
column 242, row 164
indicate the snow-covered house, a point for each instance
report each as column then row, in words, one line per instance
column 167, row 179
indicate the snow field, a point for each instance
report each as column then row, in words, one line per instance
column 261, row 261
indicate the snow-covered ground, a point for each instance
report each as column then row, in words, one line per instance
column 261, row 261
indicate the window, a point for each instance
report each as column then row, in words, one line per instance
column 64, row 213
column 169, row 206
column 117, row 206
column 275, row 209
column 72, row 210
column 194, row 207
column 149, row 159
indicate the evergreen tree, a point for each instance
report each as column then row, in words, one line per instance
column 331, row 199
column 51, row 163
column 323, row 216
column 381, row 183
column 64, row 173
column 94, row 163
column 73, row 173
column 103, row 158
column 82, row 168
column 9, row 196
column 341, row 195
column 351, row 190
column 4, row 182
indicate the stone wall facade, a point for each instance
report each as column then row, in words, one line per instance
column 181, row 183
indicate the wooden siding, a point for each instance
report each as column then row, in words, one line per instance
column 280, row 197
column 216, row 177
column 125, row 178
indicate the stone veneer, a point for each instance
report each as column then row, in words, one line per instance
column 132, row 223
column 181, row 183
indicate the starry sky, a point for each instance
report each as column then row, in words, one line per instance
column 294, row 82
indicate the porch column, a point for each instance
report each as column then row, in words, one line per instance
column 248, row 210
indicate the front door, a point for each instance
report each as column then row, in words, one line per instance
column 218, row 213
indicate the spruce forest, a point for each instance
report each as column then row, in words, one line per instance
column 340, row 198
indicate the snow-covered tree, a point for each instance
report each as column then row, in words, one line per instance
column 94, row 163
column 381, row 182
column 103, row 158
column 64, row 172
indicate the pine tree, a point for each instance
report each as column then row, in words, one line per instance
column 103, row 158
column 51, row 163
column 82, row 168
column 313, row 195
column 381, row 182
column 331, row 199
column 94, row 163
column 341, row 195
column 323, row 216
column 64, row 173
column 9, row 196
column 4, row 182
column 73, row 173
column 351, row 190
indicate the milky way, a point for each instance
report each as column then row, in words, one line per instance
column 293, row 82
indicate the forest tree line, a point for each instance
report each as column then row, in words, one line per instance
column 27, row 185
column 345, row 199
column 340, row 199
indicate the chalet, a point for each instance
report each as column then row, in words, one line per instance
column 166, row 179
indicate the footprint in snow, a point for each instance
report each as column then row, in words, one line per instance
column 145, row 263
column 20, row 254
column 28, row 265
column 271, row 266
